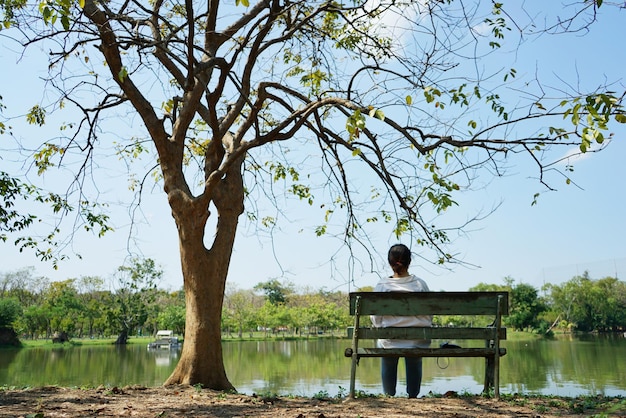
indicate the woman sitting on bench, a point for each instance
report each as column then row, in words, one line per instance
column 399, row 258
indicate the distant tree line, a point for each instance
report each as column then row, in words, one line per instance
column 281, row 310
column 128, row 304
column 580, row 304
column 132, row 304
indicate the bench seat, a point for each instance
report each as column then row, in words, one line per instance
column 426, row 352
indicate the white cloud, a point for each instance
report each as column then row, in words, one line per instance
column 398, row 23
column 482, row 29
column 575, row 155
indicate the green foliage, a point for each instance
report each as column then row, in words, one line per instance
column 525, row 307
column 96, row 221
column 10, row 311
column 239, row 311
column 34, row 321
column 376, row 113
column 303, row 192
column 593, row 113
column 137, row 284
column 403, row 225
column 282, row 172
column 172, row 317
column 43, row 157
column 9, row 8
column 12, row 220
column 82, row 307
column 59, row 10
column 11, row 191
column 431, row 94
column 579, row 304
column 302, row 313
column 313, row 80
column 439, row 193
column 355, row 124
column 63, row 306
column 322, row 395
column 590, row 305
column 36, row 116
column 275, row 291
column 3, row 127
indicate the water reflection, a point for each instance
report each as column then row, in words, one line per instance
column 165, row 357
column 564, row 366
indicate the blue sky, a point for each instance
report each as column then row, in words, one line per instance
column 568, row 232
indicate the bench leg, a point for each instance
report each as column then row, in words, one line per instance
column 355, row 361
column 489, row 374
column 496, row 375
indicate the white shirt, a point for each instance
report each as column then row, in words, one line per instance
column 402, row 284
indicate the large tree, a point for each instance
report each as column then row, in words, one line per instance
column 396, row 104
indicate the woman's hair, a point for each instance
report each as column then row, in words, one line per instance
column 399, row 257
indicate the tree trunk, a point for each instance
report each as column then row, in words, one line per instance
column 122, row 339
column 204, row 273
column 8, row 336
column 201, row 359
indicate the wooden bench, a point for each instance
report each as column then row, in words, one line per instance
column 495, row 304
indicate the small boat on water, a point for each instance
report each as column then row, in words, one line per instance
column 165, row 339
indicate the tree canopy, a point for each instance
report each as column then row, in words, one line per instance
column 373, row 112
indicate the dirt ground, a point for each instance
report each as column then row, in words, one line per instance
column 191, row 402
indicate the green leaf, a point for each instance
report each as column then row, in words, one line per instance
column 123, row 74
column 46, row 14
column 36, row 116
column 65, row 22
column 599, row 137
column 620, row 118
column 535, row 197
column 409, row 100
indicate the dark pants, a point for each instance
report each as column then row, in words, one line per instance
column 389, row 372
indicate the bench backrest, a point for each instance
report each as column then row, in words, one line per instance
column 429, row 303
column 494, row 304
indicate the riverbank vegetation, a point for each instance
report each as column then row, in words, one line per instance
column 35, row 308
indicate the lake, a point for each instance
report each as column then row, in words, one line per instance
column 566, row 366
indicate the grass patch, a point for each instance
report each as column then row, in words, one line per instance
column 80, row 342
